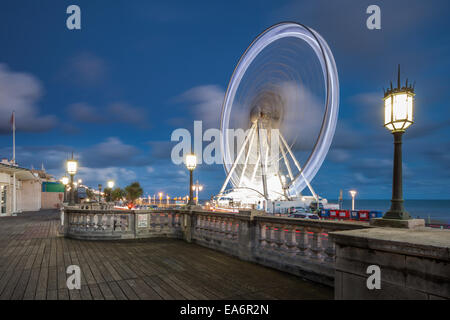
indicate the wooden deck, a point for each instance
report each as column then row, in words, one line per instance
column 34, row 258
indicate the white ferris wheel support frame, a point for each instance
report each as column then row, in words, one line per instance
column 249, row 139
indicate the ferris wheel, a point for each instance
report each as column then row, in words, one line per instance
column 284, row 95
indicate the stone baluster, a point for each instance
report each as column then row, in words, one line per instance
column 262, row 238
column 108, row 222
column 302, row 240
column 222, row 228
column 290, row 247
column 329, row 251
column 316, row 246
column 95, row 221
column 229, row 230
column 269, row 240
column 86, row 221
column 235, row 229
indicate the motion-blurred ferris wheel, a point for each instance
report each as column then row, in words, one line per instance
column 284, row 94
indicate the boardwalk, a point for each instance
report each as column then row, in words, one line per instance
column 33, row 260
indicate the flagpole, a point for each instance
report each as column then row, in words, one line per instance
column 14, row 137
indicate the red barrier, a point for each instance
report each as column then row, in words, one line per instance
column 363, row 215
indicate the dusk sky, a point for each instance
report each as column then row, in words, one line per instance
column 114, row 91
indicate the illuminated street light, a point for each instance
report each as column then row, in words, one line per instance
column 197, row 187
column 65, row 181
column 160, row 197
column 191, row 164
column 353, row 194
column 398, row 115
column 72, row 166
column 110, row 184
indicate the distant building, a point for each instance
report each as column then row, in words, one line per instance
column 23, row 189
column 20, row 189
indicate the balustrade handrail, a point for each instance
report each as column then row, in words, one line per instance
column 298, row 246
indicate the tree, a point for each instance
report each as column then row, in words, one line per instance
column 133, row 191
column 117, row 194
column 90, row 194
column 107, row 192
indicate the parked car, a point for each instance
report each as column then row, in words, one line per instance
column 304, row 215
column 293, row 210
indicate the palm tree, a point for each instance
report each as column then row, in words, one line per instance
column 117, row 194
column 133, row 191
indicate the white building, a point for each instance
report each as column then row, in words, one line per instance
column 20, row 189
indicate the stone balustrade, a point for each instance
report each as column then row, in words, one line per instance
column 298, row 246
column 119, row 224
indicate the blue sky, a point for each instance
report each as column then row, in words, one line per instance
column 114, row 91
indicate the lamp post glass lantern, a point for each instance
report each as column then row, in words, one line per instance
column 398, row 115
column 110, row 184
column 191, row 164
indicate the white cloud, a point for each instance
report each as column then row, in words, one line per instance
column 85, row 69
column 207, row 104
column 20, row 92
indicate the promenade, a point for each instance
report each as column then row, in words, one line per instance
column 34, row 258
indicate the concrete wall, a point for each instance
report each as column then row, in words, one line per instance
column 414, row 264
column 29, row 196
column 52, row 200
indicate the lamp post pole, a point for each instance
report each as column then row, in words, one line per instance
column 72, row 192
column 191, row 191
column 99, row 193
column 397, row 210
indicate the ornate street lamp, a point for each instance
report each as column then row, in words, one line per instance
column 398, row 115
column 65, row 181
column 72, row 166
column 191, row 164
column 353, row 194
column 197, row 187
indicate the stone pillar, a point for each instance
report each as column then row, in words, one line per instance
column 187, row 225
column 247, row 238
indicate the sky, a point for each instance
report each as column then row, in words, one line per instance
column 114, row 91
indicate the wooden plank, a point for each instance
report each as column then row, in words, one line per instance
column 32, row 284
column 117, row 292
column 106, row 291
column 95, row 292
column 19, row 291
column 143, row 291
column 127, row 290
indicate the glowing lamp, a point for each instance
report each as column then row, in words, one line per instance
column 399, row 107
column 191, row 161
column 72, row 166
column 110, row 184
column 65, row 180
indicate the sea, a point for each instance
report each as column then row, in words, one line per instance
column 433, row 211
column 430, row 210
